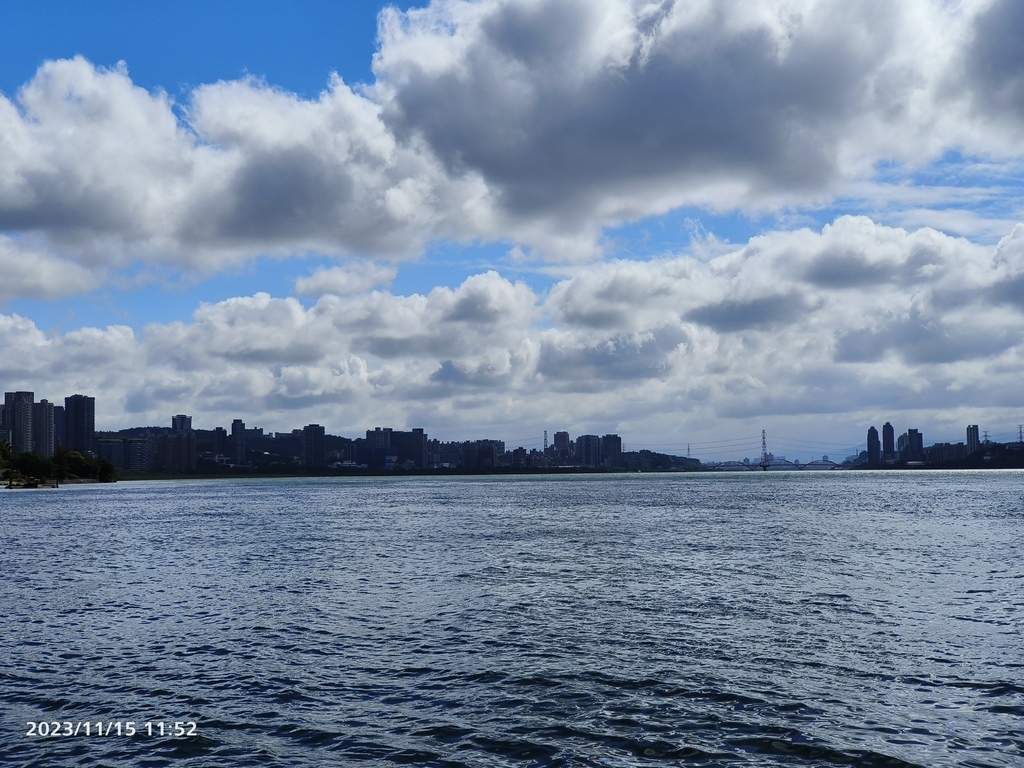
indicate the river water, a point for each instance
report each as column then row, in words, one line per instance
column 762, row 619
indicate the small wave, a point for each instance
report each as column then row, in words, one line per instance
column 819, row 753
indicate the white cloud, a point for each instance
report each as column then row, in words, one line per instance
column 585, row 113
column 353, row 278
column 855, row 323
column 27, row 271
column 537, row 122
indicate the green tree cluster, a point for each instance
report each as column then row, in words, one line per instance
column 65, row 465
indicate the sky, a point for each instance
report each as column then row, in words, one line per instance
column 683, row 222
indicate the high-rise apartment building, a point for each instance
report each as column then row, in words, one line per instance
column 135, row 454
column 874, row 446
column 18, row 419
column 220, row 441
column 58, row 427
column 378, row 437
column 43, row 428
column 176, row 451
column 588, row 450
column 611, row 451
column 80, row 424
column 314, row 446
column 888, row 442
column 562, row 442
column 410, row 446
column 238, row 442
column 915, row 445
column 973, row 439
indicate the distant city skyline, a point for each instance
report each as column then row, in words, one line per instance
column 73, row 426
column 682, row 223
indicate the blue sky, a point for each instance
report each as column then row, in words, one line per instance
column 176, row 46
column 679, row 225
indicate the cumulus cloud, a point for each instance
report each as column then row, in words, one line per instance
column 706, row 341
column 538, row 122
column 27, row 271
column 993, row 62
column 354, row 278
column 106, row 173
column 583, row 113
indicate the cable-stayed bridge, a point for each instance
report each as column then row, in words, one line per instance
column 765, row 460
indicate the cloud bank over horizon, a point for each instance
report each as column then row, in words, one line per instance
column 542, row 125
column 854, row 323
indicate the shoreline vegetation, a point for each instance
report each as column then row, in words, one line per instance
column 30, row 470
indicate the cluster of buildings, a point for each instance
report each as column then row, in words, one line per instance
column 44, row 427
column 181, row 448
column 909, row 448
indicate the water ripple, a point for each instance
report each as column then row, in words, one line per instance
column 844, row 619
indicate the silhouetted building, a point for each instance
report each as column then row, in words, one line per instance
column 18, row 419
column 611, row 451
column 945, row 452
column 378, row 438
column 42, row 428
column 238, row 442
column 314, row 446
column 220, row 441
column 411, row 446
column 471, row 454
column 588, row 450
column 562, row 443
column 874, row 447
column 176, row 451
column 80, row 424
column 888, row 442
column 912, row 445
column 58, row 427
column 134, row 454
column 973, row 439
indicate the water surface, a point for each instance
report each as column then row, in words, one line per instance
column 841, row 618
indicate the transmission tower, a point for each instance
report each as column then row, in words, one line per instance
column 764, row 451
column 1020, row 433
